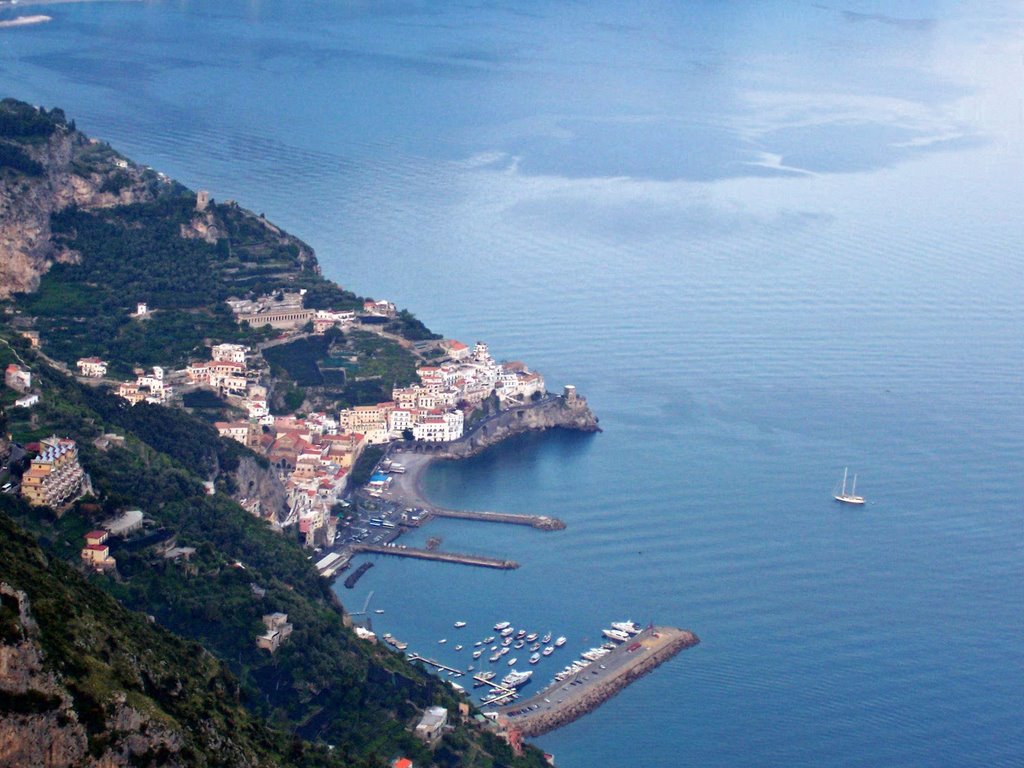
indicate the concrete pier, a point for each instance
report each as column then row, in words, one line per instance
column 445, row 557
column 560, row 703
column 541, row 522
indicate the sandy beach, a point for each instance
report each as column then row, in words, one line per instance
column 407, row 488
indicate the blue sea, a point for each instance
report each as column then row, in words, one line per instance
column 766, row 241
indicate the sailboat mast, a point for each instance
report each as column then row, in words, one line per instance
column 845, row 470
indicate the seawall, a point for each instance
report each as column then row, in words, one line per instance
column 596, row 693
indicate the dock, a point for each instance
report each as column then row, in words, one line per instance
column 445, row 557
column 436, row 664
column 560, row 703
column 541, row 522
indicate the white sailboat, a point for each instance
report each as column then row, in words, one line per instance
column 842, row 496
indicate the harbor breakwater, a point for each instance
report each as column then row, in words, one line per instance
column 667, row 642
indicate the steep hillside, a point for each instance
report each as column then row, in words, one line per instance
column 84, row 682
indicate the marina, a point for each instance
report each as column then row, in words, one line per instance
column 566, row 700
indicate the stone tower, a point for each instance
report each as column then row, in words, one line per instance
column 202, row 199
column 570, row 394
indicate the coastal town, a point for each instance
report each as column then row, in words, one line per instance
column 461, row 392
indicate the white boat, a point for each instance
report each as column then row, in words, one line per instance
column 546, row 639
column 515, row 679
column 401, row 646
column 507, row 641
column 503, row 651
column 512, row 661
column 442, row 641
column 458, row 647
column 478, row 643
column 626, row 626
column 507, row 631
column 840, row 494
column 614, row 634
column 495, row 657
column 531, row 637
column 459, row 624
column 483, row 677
column 477, row 654
column 535, row 658
column 501, row 625
column 560, row 642
column 519, row 645
column 535, row 647
column 548, row 650
column 378, row 610
column 488, row 640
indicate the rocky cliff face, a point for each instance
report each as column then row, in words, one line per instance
column 256, row 482
column 76, row 171
column 555, row 412
column 40, row 726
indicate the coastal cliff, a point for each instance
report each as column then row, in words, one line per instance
column 47, row 166
column 550, row 413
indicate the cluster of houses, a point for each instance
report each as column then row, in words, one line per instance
column 434, row 410
column 148, row 387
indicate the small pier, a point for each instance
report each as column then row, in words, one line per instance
column 541, row 522
column 445, row 557
column 436, row 664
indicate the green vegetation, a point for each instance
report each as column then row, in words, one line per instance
column 17, row 159
column 299, row 360
column 365, row 463
column 102, row 652
column 19, row 120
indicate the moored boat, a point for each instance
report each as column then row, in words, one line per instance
column 459, row 624
column 548, row 650
column 560, row 642
column 515, row 679
column 535, row 658
column 512, row 661
column 615, row 634
column 546, row 639
column 501, row 625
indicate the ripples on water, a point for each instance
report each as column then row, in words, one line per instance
column 743, row 334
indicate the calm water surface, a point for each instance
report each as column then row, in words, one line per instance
column 766, row 240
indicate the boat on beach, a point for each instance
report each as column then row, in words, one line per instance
column 840, row 494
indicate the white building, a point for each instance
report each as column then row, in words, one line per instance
column 27, row 401
column 431, row 726
column 232, row 353
column 92, row 367
column 439, row 427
